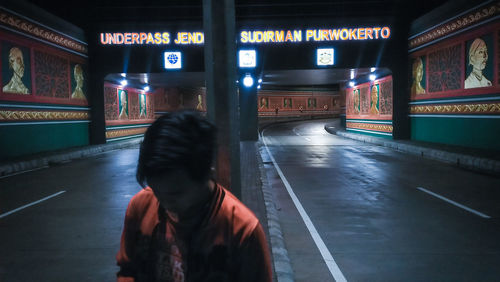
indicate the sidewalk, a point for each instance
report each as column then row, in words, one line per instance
column 42, row 160
column 484, row 161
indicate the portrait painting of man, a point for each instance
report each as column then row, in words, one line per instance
column 311, row 103
column 123, row 103
column 78, row 78
column 142, row 106
column 356, row 103
column 374, row 100
column 479, row 68
column 287, row 103
column 264, row 103
column 418, row 77
column 15, row 70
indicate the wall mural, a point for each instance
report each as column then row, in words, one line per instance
column 418, row 76
column 78, row 82
column 368, row 102
column 123, row 103
column 110, row 104
column 16, row 69
column 51, row 75
column 287, row 103
column 479, row 70
column 142, row 106
column 264, row 103
column 444, row 69
column 311, row 103
column 374, row 100
column 385, row 98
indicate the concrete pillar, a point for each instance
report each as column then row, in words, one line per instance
column 222, row 99
column 248, row 113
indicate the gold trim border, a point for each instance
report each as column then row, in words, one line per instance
column 485, row 108
column 41, row 32
column 460, row 23
column 370, row 126
column 16, row 115
column 125, row 132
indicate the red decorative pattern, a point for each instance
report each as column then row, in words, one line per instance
column 150, row 109
column 110, row 103
column 385, row 98
column 51, row 75
column 133, row 106
column 444, row 69
column 365, row 100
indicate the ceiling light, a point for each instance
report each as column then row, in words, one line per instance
column 124, row 82
column 248, row 80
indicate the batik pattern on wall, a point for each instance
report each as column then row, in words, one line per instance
column 385, row 100
column 445, row 69
column 51, row 75
column 364, row 100
column 110, row 103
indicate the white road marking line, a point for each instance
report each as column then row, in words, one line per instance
column 454, row 203
column 325, row 253
column 24, row 171
column 31, row 204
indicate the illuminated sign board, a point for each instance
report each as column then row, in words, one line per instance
column 151, row 38
column 315, row 35
column 325, row 57
column 173, row 60
column 247, row 58
column 248, row 36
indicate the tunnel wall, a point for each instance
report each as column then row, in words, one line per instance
column 126, row 116
column 295, row 103
column 369, row 108
column 446, row 106
column 48, row 108
column 175, row 98
column 131, row 119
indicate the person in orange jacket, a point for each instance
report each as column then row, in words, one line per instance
column 183, row 226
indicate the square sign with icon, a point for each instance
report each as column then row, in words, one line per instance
column 247, row 58
column 173, row 60
column 325, row 57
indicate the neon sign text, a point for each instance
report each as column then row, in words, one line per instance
column 138, row 38
column 315, row 35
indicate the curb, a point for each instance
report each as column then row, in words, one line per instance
column 281, row 261
column 461, row 160
column 64, row 156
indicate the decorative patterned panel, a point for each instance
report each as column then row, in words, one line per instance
column 125, row 132
column 41, row 32
column 51, row 75
column 445, row 69
column 370, row 126
column 31, row 115
column 483, row 108
column 457, row 24
column 365, row 100
column 110, row 103
column 150, row 113
column 133, row 107
column 385, row 96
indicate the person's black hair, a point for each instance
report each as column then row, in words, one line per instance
column 177, row 140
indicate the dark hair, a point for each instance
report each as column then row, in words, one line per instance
column 177, row 140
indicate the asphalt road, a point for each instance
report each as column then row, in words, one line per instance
column 373, row 209
column 75, row 234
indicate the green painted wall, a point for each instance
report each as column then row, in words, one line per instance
column 468, row 132
column 20, row 140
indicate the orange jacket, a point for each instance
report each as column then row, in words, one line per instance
column 229, row 244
